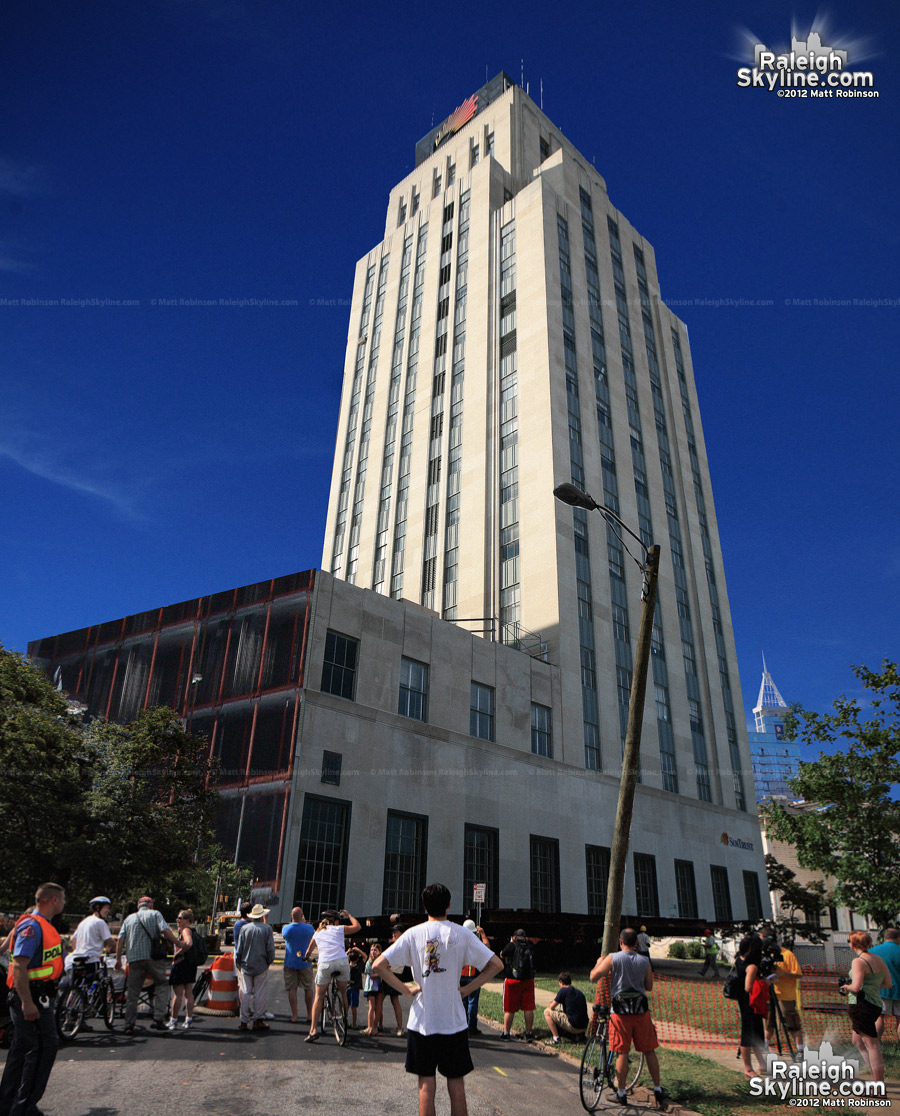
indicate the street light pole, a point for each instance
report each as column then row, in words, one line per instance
column 569, row 494
column 630, row 760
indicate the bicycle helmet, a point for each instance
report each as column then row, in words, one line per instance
column 100, row 901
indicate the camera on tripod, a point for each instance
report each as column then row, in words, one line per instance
column 771, row 956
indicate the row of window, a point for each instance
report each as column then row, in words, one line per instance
column 322, row 868
column 444, row 176
column 339, row 672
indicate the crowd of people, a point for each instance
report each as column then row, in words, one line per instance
column 437, row 964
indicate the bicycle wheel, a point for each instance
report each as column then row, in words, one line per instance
column 593, row 1066
column 70, row 1014
column 637, row 1067
column 338, row 1015
column 108, row 1003
column 201, row 987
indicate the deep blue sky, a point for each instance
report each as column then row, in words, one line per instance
column 244, row 149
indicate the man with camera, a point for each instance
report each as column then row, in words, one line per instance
column 787, row 973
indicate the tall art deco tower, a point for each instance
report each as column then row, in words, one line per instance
column 507, row 335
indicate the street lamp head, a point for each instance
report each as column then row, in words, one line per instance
column 573, row 496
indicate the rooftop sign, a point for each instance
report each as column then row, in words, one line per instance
column 462, row 115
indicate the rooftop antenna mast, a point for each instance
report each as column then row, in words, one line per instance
column 542, row 94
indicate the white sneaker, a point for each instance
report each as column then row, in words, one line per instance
column 188, row 1021
column 268, row 1015
column 172, row 1024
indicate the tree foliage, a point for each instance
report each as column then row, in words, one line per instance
column 45, row 777
column 849, row 825
column 117, row 809
column 799, row 906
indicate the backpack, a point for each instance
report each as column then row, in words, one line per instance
column 731, row 989
column 159, row 950
column 198, row 954
column 522, row 962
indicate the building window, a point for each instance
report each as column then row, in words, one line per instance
column 339, row 667
column 645, row 889
column 488, row 142
column 473, row 154
column 331, row 767
column 685, row 889
column 322, row 858
column 721, row 894
column 481, row 865
column 413, row 691
column 596, row 862
column 545, row 149
column 405, row 849
column 545, row 874
column 436, row 186
column 753, row 897
column 481, row 712
column 541, row 730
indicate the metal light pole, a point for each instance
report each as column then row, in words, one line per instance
column 569, row 494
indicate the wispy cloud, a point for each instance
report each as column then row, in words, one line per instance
column 29, row 454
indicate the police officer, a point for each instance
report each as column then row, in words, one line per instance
column 37, row 965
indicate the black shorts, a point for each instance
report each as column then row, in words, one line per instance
column 447, row 1053
column 863, row 1017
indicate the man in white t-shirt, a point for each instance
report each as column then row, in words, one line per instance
column 437, row 1033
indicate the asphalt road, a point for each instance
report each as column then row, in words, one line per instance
column 216, row 1069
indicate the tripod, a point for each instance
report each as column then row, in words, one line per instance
column 779, row 1026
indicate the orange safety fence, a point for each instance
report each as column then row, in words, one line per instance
column 692, row 1011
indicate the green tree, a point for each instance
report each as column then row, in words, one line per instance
column 153, row 803
column 45, row 776
column 849, row 825
column 799, row 905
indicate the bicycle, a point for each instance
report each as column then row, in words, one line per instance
column 92, row 994
column 201, row 987
column 334, row 1011
column 598, row 1063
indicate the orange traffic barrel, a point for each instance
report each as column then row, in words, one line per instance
column 223, row 989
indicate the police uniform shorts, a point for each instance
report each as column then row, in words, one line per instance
column 788, row 1010
column 341, row 967
column 299, row 978
column 890, row 1007
column 447, row 1053
column 625, row 1029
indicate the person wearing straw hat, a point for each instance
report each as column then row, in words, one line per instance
column 254, row 953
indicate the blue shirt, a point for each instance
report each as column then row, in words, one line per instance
column 29, row 940
column 238, row 927
column 297, row 936
column 889, row 952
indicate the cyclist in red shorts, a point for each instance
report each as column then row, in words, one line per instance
column 630, row 1019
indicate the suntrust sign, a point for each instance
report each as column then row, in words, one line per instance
column 736, row 843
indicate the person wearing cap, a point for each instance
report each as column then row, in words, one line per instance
column 329, row 941
column 518, row 987
column 135, row 940
column 643, row 944
column 253, row 955
column 470, row 1003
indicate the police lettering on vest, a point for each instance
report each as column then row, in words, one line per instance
column 48, row 964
